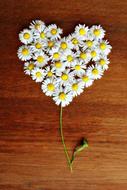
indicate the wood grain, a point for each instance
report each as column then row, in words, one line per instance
column 31, row 153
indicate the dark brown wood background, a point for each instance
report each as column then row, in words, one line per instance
column 31, row 153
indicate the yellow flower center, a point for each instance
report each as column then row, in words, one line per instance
column 102, row 46
column 77, row 67
column 51, row 87
column 63, row 45
column 42, row 35
column 69, row 58
column 58, row 64
column 38, row 74
column 53, row 31
column 93, row 53
column 30, row 66
column 64, row 77
column 95, row 72
column 50, row 44
column 96, row 32
column 102, row 62
column 83, row 55
column 85, row 78
column 62, row 96
column 74, row 41
column 25, row 52
column 26, row 36
column 49, row 74
column 37, row 26
column 38, row 45
column 89, row 43
column 56, row 55
column 40, row 59
column 82, row 32
column 75, row 87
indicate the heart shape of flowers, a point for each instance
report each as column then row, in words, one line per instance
column 64, row 66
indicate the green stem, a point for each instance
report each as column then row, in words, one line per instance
column 63, row 142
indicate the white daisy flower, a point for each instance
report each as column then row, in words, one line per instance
column 49, row 45
column 95, row 72
column 41, row 59
column 50, row 71
column 49, row 86
column 75, row 88
column 65, row 44
column 62, row 96
column 37, row 25
column 38, row 46
column 103, row 62
column 28, row 67
column 40, row 34
column 84, row 56
column 55, row 54
column 81, row 31
column 26, row 36
column 104, row 47
column 88, row 44
column 75, row 41
column 53, row 31
column 24, row 53
column 59, row 66
column 38, row 74
column 95, row 54
column 86, row 80
column 68, row 57
column 78, row 67
column 96, row 32
column 65, row 77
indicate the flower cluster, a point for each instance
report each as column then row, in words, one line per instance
column 64, row 66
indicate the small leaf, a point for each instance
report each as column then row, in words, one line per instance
column 79, row 149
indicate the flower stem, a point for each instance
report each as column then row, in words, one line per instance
column 63, row 142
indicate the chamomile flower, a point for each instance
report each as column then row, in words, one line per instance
column 36, row 25
column 50, row 71
column 38, row 74
column 53, row 32
column 62, row 97
column 103, row 62
column 83, row 56
column 41, row 59
column 95, row 72
column 88, row 44
column 26, row 36
column 104, row 46
column 65, row 44
column 49, row 86
column 81, row 31
column 86, row 80
column 28, row 67
column 38, row 46
column 59, row 66
column 75, row 40
column 49, row 45
column 65, row 77
column 75, row 88
column 95, row 54
column 55, row 54
column 97, row 32
column 68, row 57
column 24, row 53
column 40, row 34
column 78, row 67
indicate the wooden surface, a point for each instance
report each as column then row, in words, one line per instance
column 31, row 153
